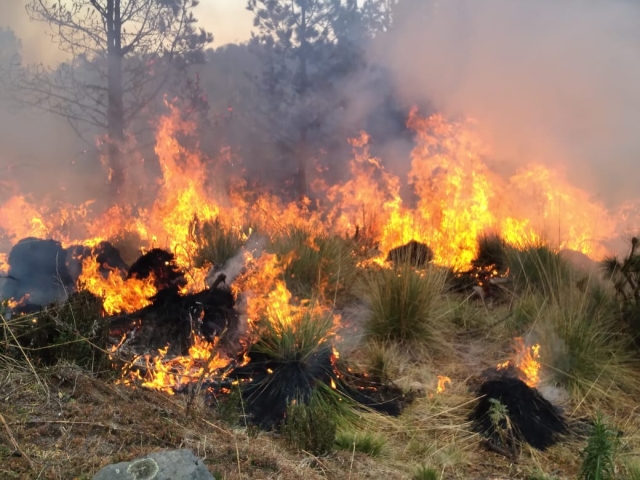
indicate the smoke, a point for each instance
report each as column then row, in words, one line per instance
column 548, row 81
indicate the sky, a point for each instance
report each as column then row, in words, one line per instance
column 228, row 20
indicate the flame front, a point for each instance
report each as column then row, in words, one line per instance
column 457, row 197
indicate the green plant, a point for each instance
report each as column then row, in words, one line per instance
column 424, row 472
column 309, row 428
column 502, row 430
column 318, row 264
column 583, row 346
column 367, row 443
column 216, row 243
column 598, row 457
column 402, row 305
column 74, row 331
column 539, row 268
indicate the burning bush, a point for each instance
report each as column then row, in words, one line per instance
column 290, row 362
column 402, row 305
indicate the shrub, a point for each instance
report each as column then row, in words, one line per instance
column 74, row 331
column 310, row 428
column 598, row 457
column 367, row 443
column 402, row 305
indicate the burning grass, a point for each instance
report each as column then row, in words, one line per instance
column 319, row 264
column 284, row 371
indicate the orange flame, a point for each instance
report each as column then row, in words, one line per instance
column 526, row 361
column 118, row 295
column 458, row 197
column 442, row 383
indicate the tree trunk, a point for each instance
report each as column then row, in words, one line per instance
column 303, row 149
column 115, row 110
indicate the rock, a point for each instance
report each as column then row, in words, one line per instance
column 164, row 465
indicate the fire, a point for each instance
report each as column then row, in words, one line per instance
column 171, row 374
column 118, row 294
column 526, row 361
column 442, row 382
column 457, row 197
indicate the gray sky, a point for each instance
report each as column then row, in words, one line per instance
column 227, row 19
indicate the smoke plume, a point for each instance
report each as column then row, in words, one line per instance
column 548, row 81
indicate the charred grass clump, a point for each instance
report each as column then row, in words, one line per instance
column 292, row 362
column 403, row 305
column 317, row 264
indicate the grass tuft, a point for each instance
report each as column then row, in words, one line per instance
column 320, row 264
column 492, row 252
column 583, row 347
column 216, row 243
column 424, row 472
column 402, row 305
column 538, row 268
column 367, row 443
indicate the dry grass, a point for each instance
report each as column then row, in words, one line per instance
column 61, row 422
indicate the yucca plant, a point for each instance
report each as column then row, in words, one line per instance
column 319, row 264
column 403, row 305
column 598, row 457
column 293, row 361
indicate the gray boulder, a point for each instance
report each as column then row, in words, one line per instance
column 164, row 465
